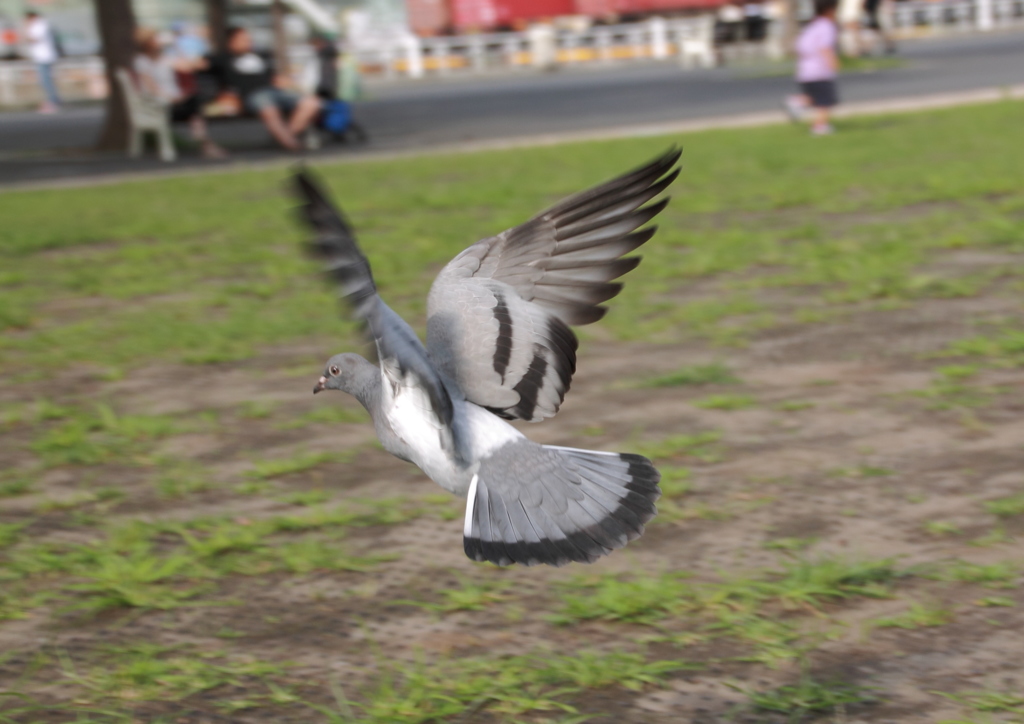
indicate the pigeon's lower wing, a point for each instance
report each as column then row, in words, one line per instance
column 531, row 504
column 402, row 355
column 499, row 314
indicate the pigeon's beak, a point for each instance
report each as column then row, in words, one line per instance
column 320, row 386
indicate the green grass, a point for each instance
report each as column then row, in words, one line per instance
column 917, row 616
column 794, row 405
column 996, row 536
column 953, row 388
column 991, row 575
column 809, row 696
column 714, row 373
column 766, row 613
column 703, row 446
column 765, row 229
column 136, row 579
column 470, row 596
column 1008, row 507
column 151, row 672
column 789, row 543
column 180, row 479
column 941, row 527
column 9, row 533
column 90, row 437
column 247, row 286
column 725, row 402
column 675, row 481
column 325, row 415
column 642, row 600
column 300, row 462
column 147, row 566
column 15, row 485
column 507, row 687
column 811, row 581
column 996, row 601
column 988, row 702
column 1003, row 348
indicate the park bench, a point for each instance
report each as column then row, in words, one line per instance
column 145, row 115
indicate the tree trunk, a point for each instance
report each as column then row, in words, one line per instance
column 277, row 13
column 217, row 20
column 791, row 26
column 116, row 21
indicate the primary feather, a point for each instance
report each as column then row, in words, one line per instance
column 498, row 314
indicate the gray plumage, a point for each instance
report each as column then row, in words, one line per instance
column 499, row 346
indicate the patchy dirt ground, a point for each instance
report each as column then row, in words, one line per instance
column 829, row 451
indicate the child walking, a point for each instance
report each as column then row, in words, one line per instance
column 816, row 69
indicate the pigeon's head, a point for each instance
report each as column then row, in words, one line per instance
column 340, row 373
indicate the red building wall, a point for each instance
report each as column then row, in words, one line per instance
column 429, row 17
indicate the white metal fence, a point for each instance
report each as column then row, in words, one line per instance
column 77, row 79
column 913, row 16
column 690, row 38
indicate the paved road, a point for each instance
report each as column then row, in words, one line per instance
column 408, row 115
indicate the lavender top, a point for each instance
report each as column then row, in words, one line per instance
column 819, row 35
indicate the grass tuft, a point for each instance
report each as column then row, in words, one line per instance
column 1006, row 507
column 808, row 697
column 725, row 402
column 715, row 373
column 642, row 600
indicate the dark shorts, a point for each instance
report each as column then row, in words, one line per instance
column 186, row 109
column 286, row 101
column 822, row 93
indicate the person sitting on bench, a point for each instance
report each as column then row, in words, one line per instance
column 157, row 75
column 261, row 91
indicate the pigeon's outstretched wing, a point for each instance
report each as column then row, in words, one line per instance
column 499, row 313
column 401, row 353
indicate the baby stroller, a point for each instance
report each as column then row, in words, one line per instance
column 336, row 120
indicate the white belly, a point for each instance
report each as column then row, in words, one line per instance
column 427, row 444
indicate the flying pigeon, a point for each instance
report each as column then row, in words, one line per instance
column 499, row 347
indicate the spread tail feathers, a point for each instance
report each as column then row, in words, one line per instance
column 531, row 504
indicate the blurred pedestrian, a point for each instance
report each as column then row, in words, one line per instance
column 158, row 72
column 8, row 41
column 849, row 16
column 543, row 45
column 730, row 17
column 753, row 13
column 42, row 50
column 327, row 78
column 873, row 9
column 816, row 70
column 189, row 42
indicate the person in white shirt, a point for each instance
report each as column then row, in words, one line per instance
column 42, row 50
column 849, row 18
column 730, row 16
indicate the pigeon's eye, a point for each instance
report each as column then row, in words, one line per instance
column 334, row 371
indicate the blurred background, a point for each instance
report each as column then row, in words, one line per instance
column 416, row 74
column 822, row 351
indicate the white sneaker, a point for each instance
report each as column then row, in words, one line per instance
column 825, row 130
column 794, row 109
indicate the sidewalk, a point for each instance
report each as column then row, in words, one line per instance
column 112, row 170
